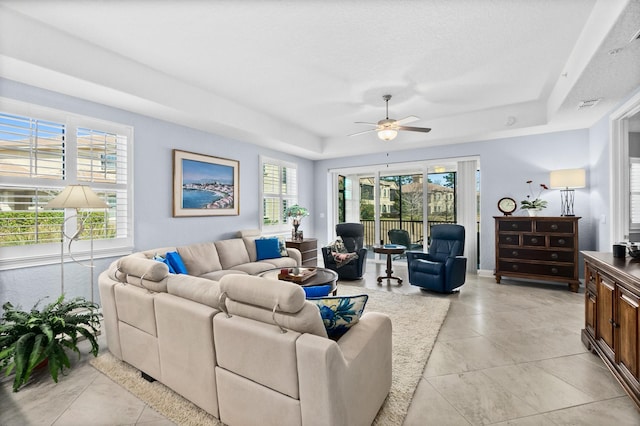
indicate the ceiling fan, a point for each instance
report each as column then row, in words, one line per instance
column 388, row 128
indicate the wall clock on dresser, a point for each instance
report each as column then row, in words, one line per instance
column 538, row 248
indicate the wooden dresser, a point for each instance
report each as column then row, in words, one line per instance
column 612, row 316
column 539, row 248
column 309, row 249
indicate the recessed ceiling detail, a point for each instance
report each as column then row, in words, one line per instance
column 295, row 76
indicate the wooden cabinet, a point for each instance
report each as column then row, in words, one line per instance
column 612, row 316
column 309, row 249
column 540, row 248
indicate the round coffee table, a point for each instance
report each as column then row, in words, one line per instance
column 389, row 250
column 323, row 276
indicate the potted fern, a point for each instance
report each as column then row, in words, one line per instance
column 31, row 338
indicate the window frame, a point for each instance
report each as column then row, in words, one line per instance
column 284, row 225
column 24, row 256
column 633, row 161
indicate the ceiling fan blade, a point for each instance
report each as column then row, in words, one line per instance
column 415, row 129
column 361, row 133
column 407, row 120
column 364, row 122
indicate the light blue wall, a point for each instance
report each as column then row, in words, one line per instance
column 154, row 224
column 599, row 188
column 506, row 165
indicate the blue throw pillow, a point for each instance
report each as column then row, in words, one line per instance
column 175, row 260
column 339, row 313
column 317, row 290
column 267, row 248
column 165, row 261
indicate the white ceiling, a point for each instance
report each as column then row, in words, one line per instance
column 296, row 75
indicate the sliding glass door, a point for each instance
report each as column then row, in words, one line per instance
column 412, row 199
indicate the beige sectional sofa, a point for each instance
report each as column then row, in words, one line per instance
column 247, row 350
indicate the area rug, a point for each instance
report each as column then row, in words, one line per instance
column 416, row 321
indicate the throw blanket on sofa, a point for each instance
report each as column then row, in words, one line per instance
column 340, row 253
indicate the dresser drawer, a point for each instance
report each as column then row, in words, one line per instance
column 509, row 239
column 515, row 225
column 559, row 271
column 549, row 226
column 532, row 254
column 555, row 241
column 533, row 240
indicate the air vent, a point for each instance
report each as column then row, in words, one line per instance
column 589, row 103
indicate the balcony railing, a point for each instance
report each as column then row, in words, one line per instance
column 414, row 228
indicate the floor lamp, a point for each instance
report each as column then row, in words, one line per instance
column 567, row 181
column 76, row 197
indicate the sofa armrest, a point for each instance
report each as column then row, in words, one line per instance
column 295, row 254
column 333, row 374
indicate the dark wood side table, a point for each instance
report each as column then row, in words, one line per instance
column 389, row 250
column 309, row 249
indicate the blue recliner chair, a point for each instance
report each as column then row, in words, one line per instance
column 443, row 269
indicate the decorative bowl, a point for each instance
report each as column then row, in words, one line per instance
column 634, row 250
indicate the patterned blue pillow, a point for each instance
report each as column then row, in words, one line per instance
column 339, row 313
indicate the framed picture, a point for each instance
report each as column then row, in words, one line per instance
column 204, row 185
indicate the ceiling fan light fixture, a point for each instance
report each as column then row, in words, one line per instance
column 387, row 134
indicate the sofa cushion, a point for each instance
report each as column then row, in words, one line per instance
column 281, row 262
column 232, row 252
column 200, row 258
column 339, row 313
column 197, row 289
column 174, row 258
column 254, row 268
column 217, row 275
column 248, row 233
column 267, row 248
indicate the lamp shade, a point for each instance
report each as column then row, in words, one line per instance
column 567, row 178
column 387, row 134
column 77, row 197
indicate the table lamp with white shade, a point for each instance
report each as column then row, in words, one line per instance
column 76, row 197
column 567, row 180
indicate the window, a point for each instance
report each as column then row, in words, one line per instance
column 41, row 152
column 279, row 183
column 634, row 185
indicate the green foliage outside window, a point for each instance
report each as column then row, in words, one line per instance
column 29, row 227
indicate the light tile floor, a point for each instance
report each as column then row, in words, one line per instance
column 507, row 354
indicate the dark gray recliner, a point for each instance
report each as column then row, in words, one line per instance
column 352, row 235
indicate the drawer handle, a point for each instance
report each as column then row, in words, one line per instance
column 514, row 253
column 554, row 227
column 514, row 267
column 554, row 270
column 514, row 225
column 561, row 241
column 554, row 256
column 534, row 240
column 508, row 239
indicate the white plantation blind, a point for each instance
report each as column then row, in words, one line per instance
column 634, row 186
column 31, row 148
column 40, row 154
column 279, row 183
